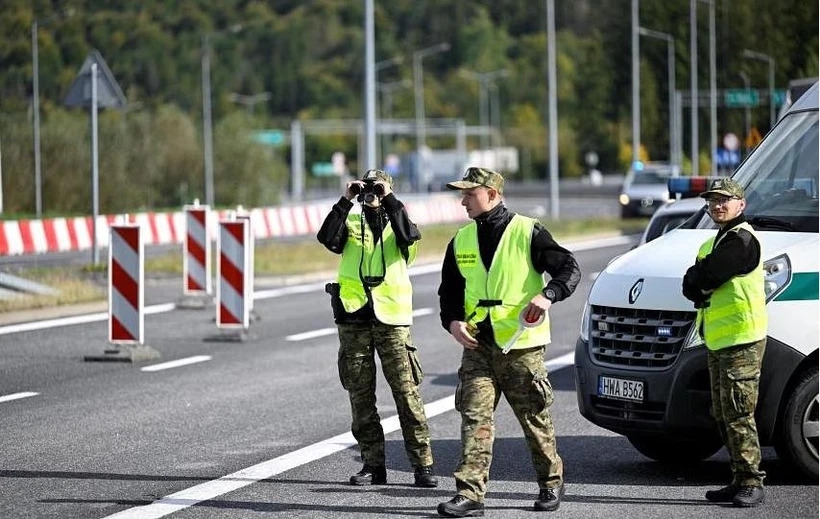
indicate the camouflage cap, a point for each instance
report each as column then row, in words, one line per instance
column 725, row 187
column 475, row 177
column 377, row 175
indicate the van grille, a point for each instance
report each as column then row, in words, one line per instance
column 637, row 338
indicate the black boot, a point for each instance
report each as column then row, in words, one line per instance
column 461, row 506
column 722, row 495
column 549, row 499
column 370, row 475
column 424, row 477
column 748, row 496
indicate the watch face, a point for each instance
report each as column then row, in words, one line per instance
column 550, row 294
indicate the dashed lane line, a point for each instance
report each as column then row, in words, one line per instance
column 177, row 363
column 17, row 396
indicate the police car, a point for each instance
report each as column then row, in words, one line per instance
column 640, row 364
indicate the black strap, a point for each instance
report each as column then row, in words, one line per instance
column 489, row 302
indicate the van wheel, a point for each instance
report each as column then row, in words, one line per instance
column 675, row 452
column 797, row 443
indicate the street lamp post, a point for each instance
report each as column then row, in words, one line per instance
column 693, row 52
column 670, row 41
column 207, row 124
column 35, row 96
column 636, row 88
column 770, row 60
column 485, row 79
column 418, row 88
column 387, row 90
column 552, row 105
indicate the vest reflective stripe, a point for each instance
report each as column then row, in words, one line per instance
column 393, row 298
column 512, row 279
column 737, row 309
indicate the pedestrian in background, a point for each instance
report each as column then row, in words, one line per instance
column 726, row 284
column 372, row 303
column 491, row 277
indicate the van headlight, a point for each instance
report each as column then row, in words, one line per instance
column 694, row 340
column 585, row 322
column 777, row 272
column 623, row 199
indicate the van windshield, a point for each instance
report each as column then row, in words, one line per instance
column 780, row 178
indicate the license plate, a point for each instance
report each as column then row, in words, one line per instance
column 622, row 389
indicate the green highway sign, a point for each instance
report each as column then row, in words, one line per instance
column 323, row 169
column 779, row 97
column 269, row 137
column 739, row 97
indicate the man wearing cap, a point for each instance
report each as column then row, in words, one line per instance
column 491, row 285
column 372, row 305
column 726, row 285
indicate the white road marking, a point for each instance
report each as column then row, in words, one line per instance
column 321, row 332
column 177, row 363
column 17, row 396
column 267, row 469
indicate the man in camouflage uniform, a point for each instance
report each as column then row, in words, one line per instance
column 372, row 307
column 726, row 285
column 491, row 277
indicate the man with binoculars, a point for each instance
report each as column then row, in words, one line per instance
column 372, row 303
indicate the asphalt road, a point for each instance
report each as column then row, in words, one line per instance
column 261, row 428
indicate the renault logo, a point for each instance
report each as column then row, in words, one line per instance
column 635, row 291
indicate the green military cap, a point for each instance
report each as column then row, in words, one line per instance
column 475, row 177
column 725, row 187
column 377, row 175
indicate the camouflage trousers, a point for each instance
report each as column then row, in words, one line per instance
column 485, row 374
column 401, row 368
column 735, row 376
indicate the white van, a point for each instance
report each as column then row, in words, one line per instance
column 640, row 365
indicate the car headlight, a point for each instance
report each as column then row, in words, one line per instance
column 585, row 322
column 623, row 199
column 777, row 272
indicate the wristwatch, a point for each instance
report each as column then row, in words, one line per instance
column 549, row 294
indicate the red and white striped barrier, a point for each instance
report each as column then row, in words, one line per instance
column 196, row 257
column 232, row 301
column 74, row 234
column 126, row 287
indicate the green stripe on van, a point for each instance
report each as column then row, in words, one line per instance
column 804, row 286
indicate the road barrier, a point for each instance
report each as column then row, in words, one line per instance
column 196, row 258
column 234, row 280
column 126, row 297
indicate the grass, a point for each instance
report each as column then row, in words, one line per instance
column 272, row 258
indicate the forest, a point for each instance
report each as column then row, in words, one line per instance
column 278, row 61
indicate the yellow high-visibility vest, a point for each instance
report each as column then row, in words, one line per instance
column 504, row 291
column 393, row 298
column 737, row 309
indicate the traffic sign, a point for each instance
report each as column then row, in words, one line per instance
column 109, row 93
column 269, row 137
column 739, row 97
column 323, row 169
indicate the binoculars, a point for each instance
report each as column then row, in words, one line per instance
column 367, row 191
column 367, row 187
